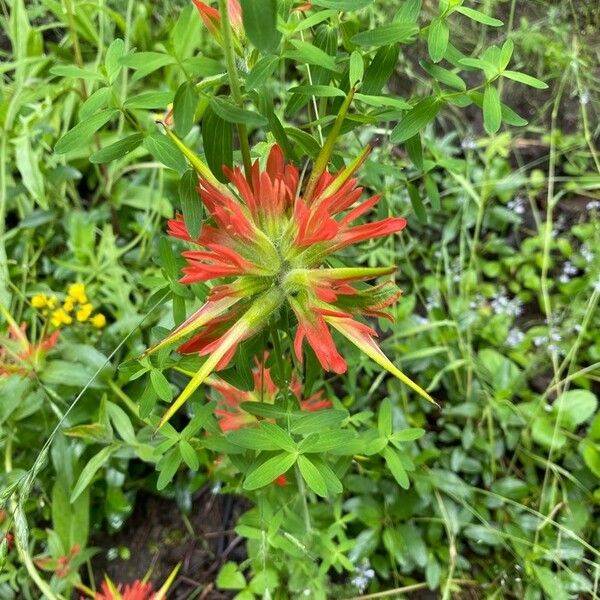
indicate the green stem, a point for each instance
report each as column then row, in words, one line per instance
column 234, row 84
column 302, row 493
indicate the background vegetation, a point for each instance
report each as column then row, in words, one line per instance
column 500, row 271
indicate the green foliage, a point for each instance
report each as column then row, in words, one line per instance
column 497, row 490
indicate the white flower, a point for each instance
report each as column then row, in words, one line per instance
column 593, row 205
column 540, row 340
column 596, row 285
column 468, row 143
column 515, row 337
column 587, row 253
column 501, row 304
column 584, row 97
column 517, row 205
column 362, row 575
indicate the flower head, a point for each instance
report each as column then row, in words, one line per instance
column 138, row 590
column 20, row 356
column 212, row 19
column 229, row 398
column 271, row 242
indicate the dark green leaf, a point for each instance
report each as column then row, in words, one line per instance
column 478, row 16
column 189, row 455
column 396, row 467
column 90, row 469
column 444, row 76
column 118, row 149
column 437, row 39
column 416, row 119
column 165, row 151
column 415, row 150
column 184, row 108
column 82, row 133
column 387, row 34
column 191, row 206
column 158, row 100
column 261, row 71
column 266, row 472
column 416, row 203
column 233, row 114
column 260, row 23
column 307, row 53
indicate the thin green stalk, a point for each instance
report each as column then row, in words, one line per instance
column 234, row 85
column 302, row 492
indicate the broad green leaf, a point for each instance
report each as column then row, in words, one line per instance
column 416, row 119
column 156, row 100
column 526, row 79
column 90, row 469
column 417, row 203
column 230, row 577
column 112, row 60
column 261, row 72
column 575, row 407
column 357, row 68
column 266, row 472
column 307, row 53
column 217, row 139
column 117, row 149
column 191, row 206
column 75, row 72
column 342, row 441
column 146, row 62
column 184, row 108
column 396, row 467
column 188, row 454
column 478, row 16
column 279, row 437
column 252, row 439
column 260, row 23
column 161, row 385
column 325, row 91
column 317, row 421
column 384, row 418
column 437, row 39
column 233, row 114
column 165, row 151
column 386, row 34
column 82, row 133
column 311, row 475
column 409, row 13
column 444, row 76
column 94, row 103
column 492, row 109
column 379, row 70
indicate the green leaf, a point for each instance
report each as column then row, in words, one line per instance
column 75, row 72
column 217, row 139
column 311, row 475
column 233, row 114
column 184, row 108
column 575, row 407
column 307, row 53
column 168, row 466
column 266, row 472
column 189, row 455
column 416, row 119
column 230, row 577
column 437, row 39
column 383, row 101
column 417, row 203
column 380, row 69
column 118, row 149
column 433, row 192
column 387, row 34
column 191, row 206
column 161, row 385
column 384, row 418
column 278, row 436
column 90, row 469
column 478, row 16
column 506, row 53
column 156, row 100
column 492, row 109
column 396, row 467
column 112, row 60
column 146, row 62
column 82, row 133
column 343, row 5
column 321, row 420
column 415, row 150
column 444, row 76
column 252, row 439
column 121, row 422
column 408, row 435
column 409, row 13
column 357, row 68
column 94, row 103
column 324, row 91
column 260, row 23
column 526, row 79
column 166, row 152
column 261, row 71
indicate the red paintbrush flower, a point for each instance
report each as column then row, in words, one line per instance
column 138, row 590
column 270, row 243
column 229, row 398
column 20, row 356
column 212, row 20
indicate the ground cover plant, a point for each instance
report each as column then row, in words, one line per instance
column 299, row 300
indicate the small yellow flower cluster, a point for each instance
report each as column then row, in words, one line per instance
column 76, row 305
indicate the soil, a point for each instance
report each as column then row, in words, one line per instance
column 158, row 538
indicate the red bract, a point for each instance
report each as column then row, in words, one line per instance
column 212, row 18
column 229, row 398
column 19, row 356
column 138, row 590
column 271, row 243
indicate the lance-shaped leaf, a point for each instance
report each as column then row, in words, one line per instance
column 362, row 337
column 250, row 322
column 206, row 313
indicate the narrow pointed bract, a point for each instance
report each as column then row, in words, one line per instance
column 269, row 244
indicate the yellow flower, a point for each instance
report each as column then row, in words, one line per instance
column 60, row 317
column 39, row 301
column 52, row 300
column 98, row 320
column 77, row 292
column 69, row 304
column 84, row 312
